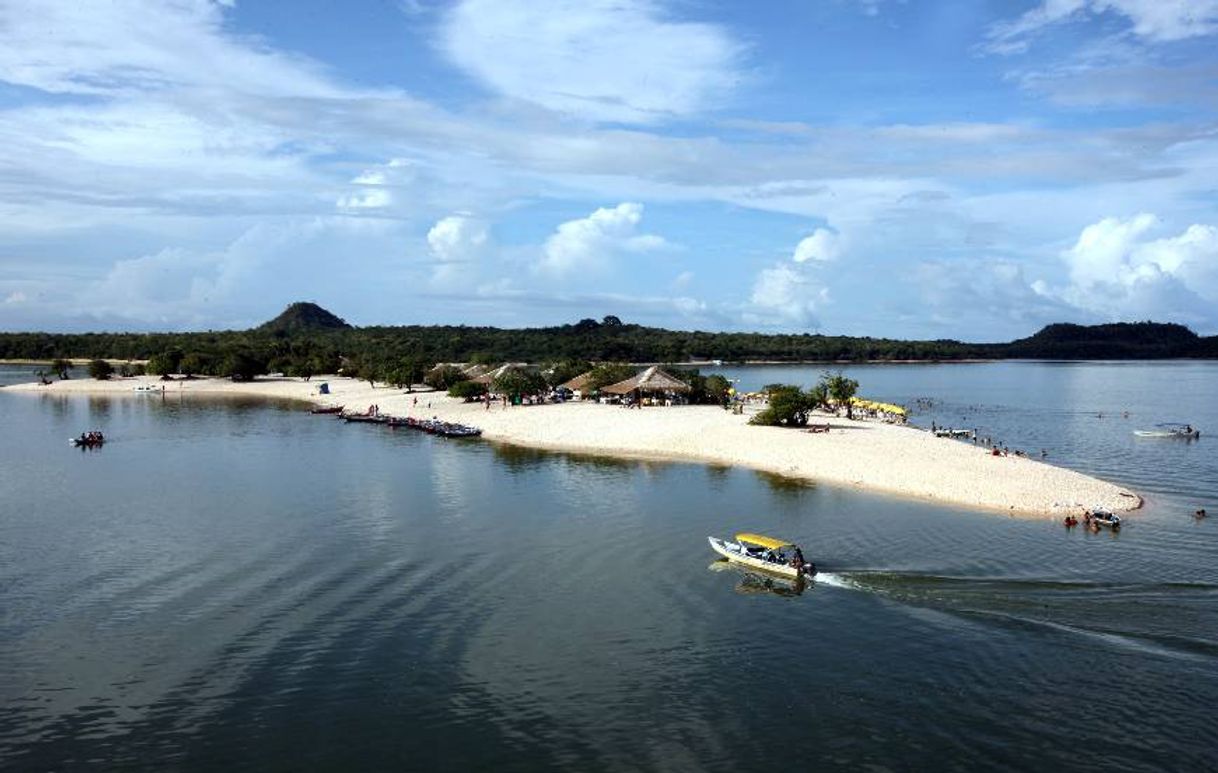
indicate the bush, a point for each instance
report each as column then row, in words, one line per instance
column 468, row 390
column 789, row 407
column 100, row 370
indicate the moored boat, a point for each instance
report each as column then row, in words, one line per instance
column 1100, row 517
column 767, row 554
column 327, row 409
column 361, row 418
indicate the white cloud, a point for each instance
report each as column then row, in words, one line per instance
column 124, row 45
column 590, row 243
column 456, row 242
column 1155, row 21
column 822, row 246
column 374, row 198
column 785, row 295
column 605, row 60
column 1115, row 270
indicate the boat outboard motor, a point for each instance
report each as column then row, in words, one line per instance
column 809, row 569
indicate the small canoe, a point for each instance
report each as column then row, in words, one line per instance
column 765, row 554
column 362, row 419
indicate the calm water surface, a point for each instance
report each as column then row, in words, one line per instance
column 239, row 585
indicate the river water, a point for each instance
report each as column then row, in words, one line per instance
column 236, row 584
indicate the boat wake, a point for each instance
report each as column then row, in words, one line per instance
column 1141, row 617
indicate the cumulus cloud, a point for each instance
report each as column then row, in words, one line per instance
column 591, row 243
column 785, row 295
column 604, row 60
column 1117, row 270
column 1151, row 20
column 822, row 246
column 456, row 243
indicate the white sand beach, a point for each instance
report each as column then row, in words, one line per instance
column 879, row 457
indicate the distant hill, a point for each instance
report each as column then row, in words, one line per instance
column 1121, row 340
column 303, row 317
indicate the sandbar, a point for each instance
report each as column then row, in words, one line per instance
column 892, row 459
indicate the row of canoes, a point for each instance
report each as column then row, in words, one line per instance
column 430, row 426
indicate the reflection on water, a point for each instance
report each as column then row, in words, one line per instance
column 785, row 486
column 233, row 584
column 754, row 583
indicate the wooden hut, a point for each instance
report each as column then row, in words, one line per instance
column 652, row 383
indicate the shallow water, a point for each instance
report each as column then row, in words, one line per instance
column 235, row 584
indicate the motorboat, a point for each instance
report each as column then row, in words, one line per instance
column 1100, row 517
column 1170, row 430
column 767, row 554
column 88, row 440
column 947, row 432
column 148, row 388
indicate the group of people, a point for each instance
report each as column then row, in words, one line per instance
column 93, row 438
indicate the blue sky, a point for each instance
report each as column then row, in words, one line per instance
column 964, row 169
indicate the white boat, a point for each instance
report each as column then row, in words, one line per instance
column 766, row 554
column 1170, row 430
column 954, row 433
column 1101, row 517
column 147, row 388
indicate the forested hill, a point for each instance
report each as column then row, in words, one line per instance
column 303, row 317
column 1118, row 341
column 309, row 338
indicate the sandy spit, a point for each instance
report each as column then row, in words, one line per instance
column 896, row 460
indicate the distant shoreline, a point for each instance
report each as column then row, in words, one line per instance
column 885, row 458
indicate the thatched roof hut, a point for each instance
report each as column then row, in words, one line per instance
column 489, row 376
column 577, row 384
column 651, row 380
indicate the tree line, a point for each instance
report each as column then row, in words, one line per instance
column 405, row 353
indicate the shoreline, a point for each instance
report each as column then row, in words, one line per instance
column 885, row 458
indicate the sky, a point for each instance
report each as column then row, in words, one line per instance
column 969, row 169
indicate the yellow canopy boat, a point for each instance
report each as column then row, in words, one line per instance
column 767, row 554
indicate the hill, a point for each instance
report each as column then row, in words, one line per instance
column 1117, row 341
column 303, row 317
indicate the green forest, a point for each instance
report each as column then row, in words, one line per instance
column 306, row 339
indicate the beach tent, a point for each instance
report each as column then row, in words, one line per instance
column 651, row 381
